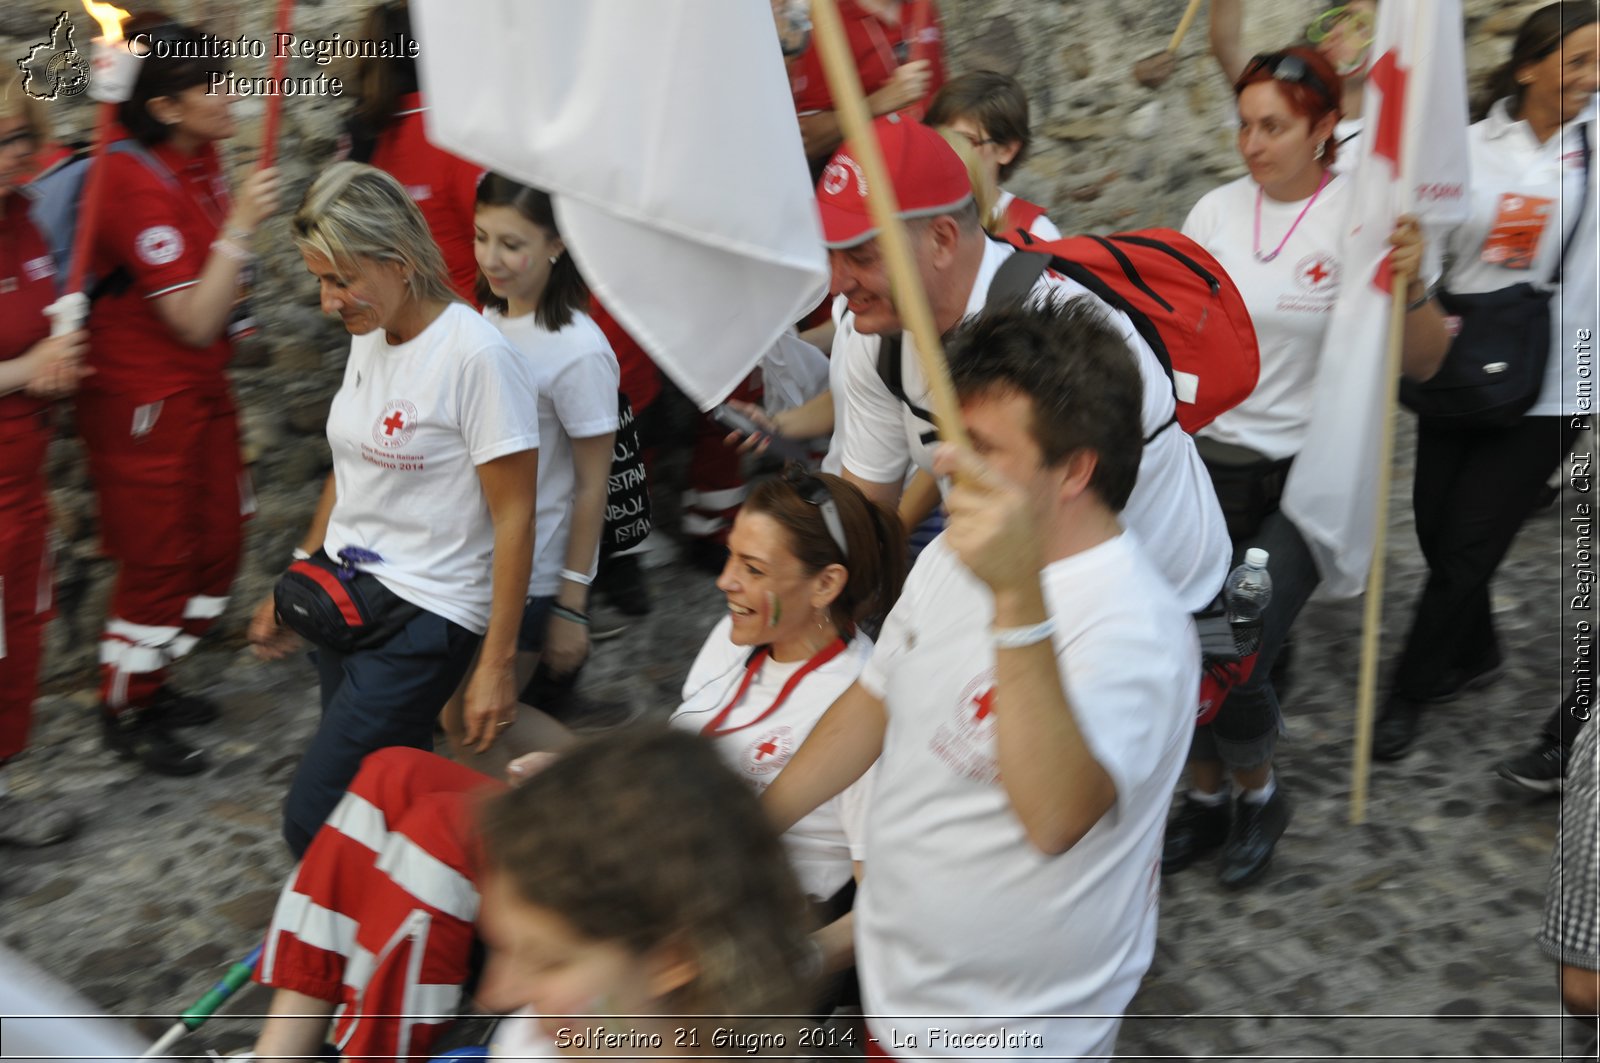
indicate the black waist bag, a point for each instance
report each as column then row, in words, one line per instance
column 1496, row 364
column 334, row 605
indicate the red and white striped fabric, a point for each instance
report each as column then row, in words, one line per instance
column 378, row 918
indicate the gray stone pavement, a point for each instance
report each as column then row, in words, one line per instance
column 1409, row 936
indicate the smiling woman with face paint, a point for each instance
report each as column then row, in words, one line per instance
column 435, row 438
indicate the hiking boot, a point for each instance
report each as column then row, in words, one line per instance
column 177, row 709
column 1396, row 730
column 1541, row 770
column 1257, row 826
column 34, row 823
column 139, row 736
column 1192, row 832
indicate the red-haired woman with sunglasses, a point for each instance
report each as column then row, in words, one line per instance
column 1278, row 233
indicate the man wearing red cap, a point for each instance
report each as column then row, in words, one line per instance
column 1173, row 510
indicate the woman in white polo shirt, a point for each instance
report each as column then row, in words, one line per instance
column 809, row 559
column 435, row 439
column 1532, row 152
column 1278, row 232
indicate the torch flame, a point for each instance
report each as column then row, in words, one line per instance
column 110, row 18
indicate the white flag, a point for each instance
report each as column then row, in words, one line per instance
column 666, row 132
column 1413, row 159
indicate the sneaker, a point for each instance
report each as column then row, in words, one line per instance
column 34, row 823
column 1396, row 730
column 1257, row 826
column 177, row 709
column 1193, row 831
column 1541, row 770
column 139, row 736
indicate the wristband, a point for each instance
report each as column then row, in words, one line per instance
column 577, row 577
column 1012, row 638
column 300, row 554
column 571, row 615
column 232, row 250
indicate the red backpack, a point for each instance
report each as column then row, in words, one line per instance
column 1180, row 301
column 1177, row 296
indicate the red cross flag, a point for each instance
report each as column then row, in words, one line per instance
column 666, row 133
column 1412, row 159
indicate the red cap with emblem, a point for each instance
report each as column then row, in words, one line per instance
column 929, row 179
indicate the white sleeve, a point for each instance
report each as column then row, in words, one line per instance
column 497, row 403
column 853, row 805
column 1198, row 225
column 1123, row 688
column 1044, row 228
column 585, row 395
column 875, row 446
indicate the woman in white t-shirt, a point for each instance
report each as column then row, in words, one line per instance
column 1533, row 186
column 435, row 437
column 532, row 292
column 1278, row 233
column 809, row 560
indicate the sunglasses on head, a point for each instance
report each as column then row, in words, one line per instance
column 1284, row 66
column 815, row 492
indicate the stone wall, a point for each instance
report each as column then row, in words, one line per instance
column 1108, row 153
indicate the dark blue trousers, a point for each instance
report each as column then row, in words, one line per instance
column 389, row 696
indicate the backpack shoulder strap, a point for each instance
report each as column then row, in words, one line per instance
column 1015, row 278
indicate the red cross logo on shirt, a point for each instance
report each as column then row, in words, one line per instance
column 985, row 703
column 1317, row 273
column 393, row 423
column 766, row 749
column 396, row 424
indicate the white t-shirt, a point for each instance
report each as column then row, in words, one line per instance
column 408, row 427
column 1507, row 158
column 577, row 378
column 1172, row 506
column 958, row 914
column 819, row 850
column 1290, row 300
column 1042, row 226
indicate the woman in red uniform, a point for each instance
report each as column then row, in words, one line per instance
column 158, row 415
column 34, row 368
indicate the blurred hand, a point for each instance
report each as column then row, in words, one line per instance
column 491, row 704
column 528, row 765
column 756, row 444
column 271, row 639
column 906, row 86
column 56, row 365
column 991, row 526
column 1406, row 257
column 566, row 646
column 257, row 198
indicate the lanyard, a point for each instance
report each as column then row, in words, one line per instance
column 827, row 653
column 1326, row 177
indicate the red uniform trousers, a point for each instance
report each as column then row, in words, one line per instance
column 378, row 918
column 24, row 573
column 716, row 481
column 173, row 497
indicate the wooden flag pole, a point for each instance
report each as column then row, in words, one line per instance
column 850, row 104
column 1372, row 610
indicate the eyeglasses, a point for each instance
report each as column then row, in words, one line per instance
column 977, row 142
column 1290, row 68
column 816, row 492
column 1354, row 23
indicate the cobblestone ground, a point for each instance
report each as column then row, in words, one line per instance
column 1409, row 936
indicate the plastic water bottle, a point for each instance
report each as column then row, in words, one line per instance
column 1247, row 592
